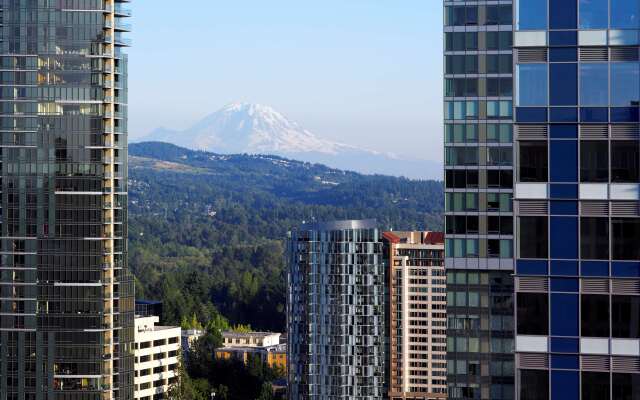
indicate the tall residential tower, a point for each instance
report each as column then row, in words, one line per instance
column 478, row 112
column 66, row 297
column 335, row 312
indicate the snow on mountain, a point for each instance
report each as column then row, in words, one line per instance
column 259, row 129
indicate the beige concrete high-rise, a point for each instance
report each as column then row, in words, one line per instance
column 417, row 315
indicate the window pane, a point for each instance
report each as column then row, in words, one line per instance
column 594, row 315
column 596, row 385
column 626, row 386
column 594, row 161
column 532, row 85
column 532, row 15
column 625, row 83
column 625, row 233
column 625, row 14
column 533, row 314
column 594, row 238
column 594, row 89
column 594, row 14
column 534, row 385
column 624, row 161
column 533, row 161
column 625, row 317
column 533, row 237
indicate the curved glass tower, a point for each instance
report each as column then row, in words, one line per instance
column 66, row 297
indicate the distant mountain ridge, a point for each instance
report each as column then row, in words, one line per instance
column 242, row 128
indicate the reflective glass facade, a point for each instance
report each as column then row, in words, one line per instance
column 335, row 312
column 66, row 296
column 577, row 90
column 478, row 123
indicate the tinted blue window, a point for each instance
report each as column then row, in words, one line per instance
column 564, row 285
column 594, row 14
column 594, row 268
column 564, row 207
column 565, row 385
column 563, row 156
column 564, row 237
column 594, row 84
column 624, row 114
column 563, row 14
column 531, row 15
column 563, row 131
column 625, row 83
column 564, row 314
column 564, row 84
column 563, row 191
column 563, row 114
column 594, row 114
column 531, row 114
column 564, row 345
column 532, row 84
column 564, row 361
column 625, row 14
column 562, row 54
column 532, row 267
column 625, row 269
column 564, row 268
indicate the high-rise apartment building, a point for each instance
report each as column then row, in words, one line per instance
column 417, row 304
column 66, row 297
column 577, row 74
column 157, row 352
column 479, row 258
column 335, row 312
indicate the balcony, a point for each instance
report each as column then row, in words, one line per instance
column 121, row 11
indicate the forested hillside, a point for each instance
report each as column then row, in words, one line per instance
column 206, row 231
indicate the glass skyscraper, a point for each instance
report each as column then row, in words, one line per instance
column 479, row 258
column 577, row 92
column 335, row 312
column 66, row 296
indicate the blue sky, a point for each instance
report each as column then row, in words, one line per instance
column 365, row 72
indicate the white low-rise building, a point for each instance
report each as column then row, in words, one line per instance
column 157, row 350
column 250, row 339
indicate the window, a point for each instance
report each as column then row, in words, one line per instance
column 624, row 238
column 625, row 317
column 461, row 156
column 625, row 14
column 533, row 166
column 499, row 156
column 534, row 384
column 502, row 248
column 594, row 88
column 462, row 201
column 499, row 87
column 466, row 248
column 461, row 64
column 497, row 225
column 594, row 161
column 625, row 161
column 595, row 385
column 625, row 83
column 461, row 41
column 500, row 179
column 461, row 15
column 499, row 15
column 531, row 15
column 461, row 179
column 461, row 133
column 533, row 314
column 458, row 110
column 499, row 109
column 533, row 237
column 499, row 202
column 461, row 87
column 499, row 133
column 625, row 386
column 594, row 315
column 532, row 85
column 594, row 14
column 594, row 238
column 461, row 224
column 502, row 40
column 499, row 63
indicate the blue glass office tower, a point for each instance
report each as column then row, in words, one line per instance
column 576, row 94
column 479, row 190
